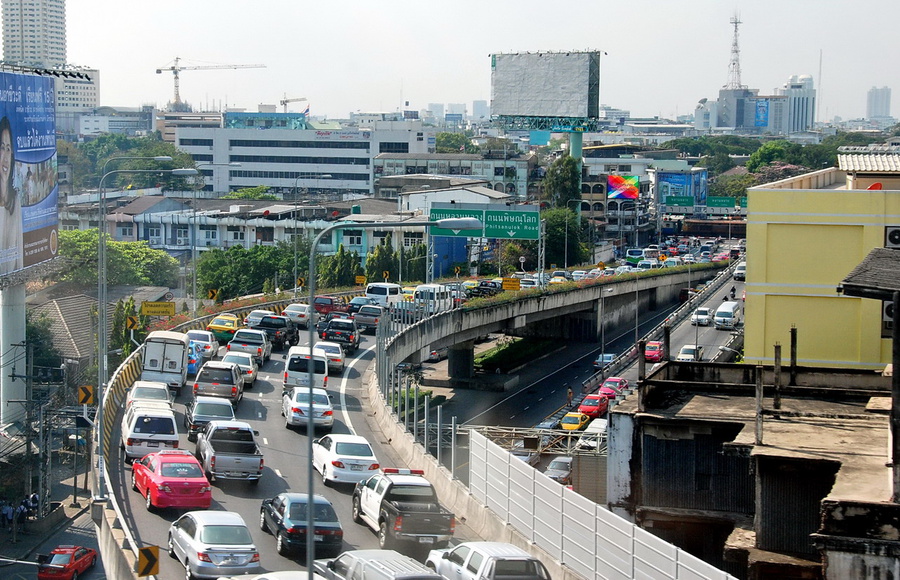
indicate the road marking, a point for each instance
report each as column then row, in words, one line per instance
column 344, row 414
column 265, row 441
column 278, row 473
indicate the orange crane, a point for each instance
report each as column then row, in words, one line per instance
column 177, row 68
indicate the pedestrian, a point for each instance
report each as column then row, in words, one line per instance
column 21, row 515
column 569, row 395
column 7, row 511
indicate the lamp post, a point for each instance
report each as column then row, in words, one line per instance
column 566, row 249
column 637, row 309
column 450, row 224
column 194, row 233
column 603, row 331
column 102, row 338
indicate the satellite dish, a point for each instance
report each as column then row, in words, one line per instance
column 266, row 213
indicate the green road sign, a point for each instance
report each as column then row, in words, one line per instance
column 680, row 200
column 744, row 202
column 512, row 225
column 442, row 214
column 728, row 202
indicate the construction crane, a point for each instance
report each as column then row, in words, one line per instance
column 284, row 102
column 177, row 68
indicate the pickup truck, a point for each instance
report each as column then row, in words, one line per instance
column 281, row 330
column 326, row 304
column 344, row 332
column 485, row 288
column 256, row 343
column 368, row 316
column 402, row 506
column 228, row 450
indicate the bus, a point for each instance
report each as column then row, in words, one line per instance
column 635, row 255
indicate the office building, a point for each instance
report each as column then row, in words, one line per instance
column 801, row 102
column 34, row 32
column 878, row 103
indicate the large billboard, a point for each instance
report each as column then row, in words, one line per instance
column 623, row 187
column 692, row 185
column 28, row 172
column 546, row 84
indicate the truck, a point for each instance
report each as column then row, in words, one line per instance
column 228, row 450
column 400, row 505
column 368, row 317
column 165, row 358
column 326, row 304
column 281, row 330
column 253, row 342
column 344, row 332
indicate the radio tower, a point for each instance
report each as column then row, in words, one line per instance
column 734, row 67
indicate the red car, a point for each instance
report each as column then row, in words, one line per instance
column 66, row 562
column 594, row 405
column 653, row 351
column 613, row 386
column 171, row 478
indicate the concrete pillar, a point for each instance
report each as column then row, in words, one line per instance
column 12, row 358
column 461, row 363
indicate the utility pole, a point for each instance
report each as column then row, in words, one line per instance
column 29, row 419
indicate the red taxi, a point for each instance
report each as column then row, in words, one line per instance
column 66, row 562
column 613, row 386
column 171, row 478
column 653, row 351
column 594, row 405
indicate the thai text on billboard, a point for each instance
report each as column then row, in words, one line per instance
column 623, row 186
column 28, row 172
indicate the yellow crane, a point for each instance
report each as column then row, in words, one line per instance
column 284, row 102
column 176, row 68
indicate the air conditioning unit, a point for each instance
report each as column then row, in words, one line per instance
column 154, row 241
column 209, row 244
column 892, row 236
column 887, row 311
column 182, row 241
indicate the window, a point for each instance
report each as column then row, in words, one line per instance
column 236, row 232
column 153, row 232
column 475, row 562
column 126, row 231
column 353, row 237
column 209, row 232
column 411, row 239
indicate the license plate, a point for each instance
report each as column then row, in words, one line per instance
column 355, row 467
column 426, row 540
column 152, row 443
column 319, row 538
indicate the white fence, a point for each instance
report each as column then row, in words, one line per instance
column 586, row 537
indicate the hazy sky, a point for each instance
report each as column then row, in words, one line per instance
column 663, row 55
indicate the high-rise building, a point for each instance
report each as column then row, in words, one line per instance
column 878, row 103
column 481, row 111
column 34, row 32
column 801, row 109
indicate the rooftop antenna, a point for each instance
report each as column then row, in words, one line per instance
column 734, row 66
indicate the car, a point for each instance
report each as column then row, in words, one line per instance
column 247, row 364
column 301, row 314
column 334, row 354
column 574, row 421
column 202, row 409
column 689, row 259
column 744, row 295
column 653, row 351
column 624, row 270
column 690, row 353
column 701, row 317
column 558, row 280
column 344, row 332
column 206, row 341
column 603, row 360
column 438, row 354
column 322, row 321
column 195, row 358
column 255, row 316
column 223, row 326
column 613, row 386
column 594, row 405
column 529, row 456
column 560, row 469
column 254, row 342
column 171, row 478
column 220, row 379
column 66, row 562
column 213, row 543
column 526, row 283
column 358, row 301
column 344, row 458
column 148, row 391
column 286, row 517
column 486, row 561
column 295, row 406
column 578, row 274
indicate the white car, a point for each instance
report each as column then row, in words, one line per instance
column 295, row 406
column 690, row 353
column 246, row 363
column 212, row 543
column 701, row 317
column 206, row 341
column 578, row 275
column 333, row 353
column 148, row 391
column 344, row 458
column 301, row 314
column 476, row 560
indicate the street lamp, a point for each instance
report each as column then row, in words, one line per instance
column 603, row 331
column 102, row 338
column 194, row 233
column 566, row 259
column 448, row 224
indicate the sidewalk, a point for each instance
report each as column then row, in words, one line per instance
column 41, row 530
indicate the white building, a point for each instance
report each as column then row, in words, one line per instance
column 801, row 102
column 34, row 33
column 878, row 103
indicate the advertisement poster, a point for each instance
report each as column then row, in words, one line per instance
column 623, row 187
column 28, row 172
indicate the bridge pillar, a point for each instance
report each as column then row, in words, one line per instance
column 461, row 364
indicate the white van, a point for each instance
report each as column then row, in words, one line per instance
column 296, row 368
column 148, row 427
column 433, row 298
column 384, row 293
column 165, row 358
column 740, row 271
column 673, row 262
column 649, row 265
column 728, row 316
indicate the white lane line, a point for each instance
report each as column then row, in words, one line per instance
column 345, row 415
column 278, row 473
column 265, row 440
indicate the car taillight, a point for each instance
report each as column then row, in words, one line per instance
column 284, row 380
column 164, row 487
column 206, row 488
column 203, row 557
column 339, row 464
column 212, row 463
column 398, row 523
column 249, row 371
column 297, row 410
column 227, row 347
column 259, row 350
column 325, row 382
column 374, row 467
column 296, row 531
column 327, row 413
column 336, row 533
column 261, row 464
column 255, row 557
column 452, row 525
column 196, row 387
column 234, row 391
column 130, row 441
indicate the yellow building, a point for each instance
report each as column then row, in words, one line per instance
column 804, row 235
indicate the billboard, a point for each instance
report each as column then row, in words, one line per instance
column 761, row 116
column 28, row 171
column 623, row 187
column 546, row 84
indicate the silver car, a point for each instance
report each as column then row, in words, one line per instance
column 206, row 341
column 334, row 354
column 211, row 544
column 295, row 407
column 247, row 364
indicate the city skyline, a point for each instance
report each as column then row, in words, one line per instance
column 347, row 56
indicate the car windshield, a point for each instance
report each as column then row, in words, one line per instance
column 150, row 393
column 652, row 347
column 412, row 493
column 237, row 359
column 156, row 425
column 570, row 420
column 59, row 559
column 225, row 535
column 240, row 336
column 340, row 325
column 303, row 397
column 214, row 410
column 559, row 465
column 355, row 449
column 702, row 312
column 197, row 335
column 222, row 322
column 330, row 349
column 590, row 402
column 322, row 512
column 181, row 470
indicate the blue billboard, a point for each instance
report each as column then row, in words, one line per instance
column 761, row 117
column 28, row 171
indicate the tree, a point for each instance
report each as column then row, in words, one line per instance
column 562, row 182
column 718, row 163
column 556, row 237
column 732, row 185
column 772, row 151
column 411, row 263
column 454, row 143
column 338, row 270
column 260, row 192
column 382, row 259
column 39, row 334
column 112, row 145
column 132, row 263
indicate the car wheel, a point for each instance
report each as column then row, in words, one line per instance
column 385, row 542
column 93, row 562
column 149, row 501
column 171, row 547
column 355, row 511
column 280, row 545
column 325, row 481
column 187, row 571
column 287, row 423
column 262, row 522
column 250, row 384
column 133, row 480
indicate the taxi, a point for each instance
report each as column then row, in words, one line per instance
column 171, row 478
column 653, row 351
column 574, row 421
column 558, row 280
column 66, row 562
column 407, row 292
column 613, row 386
column 223, row 326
